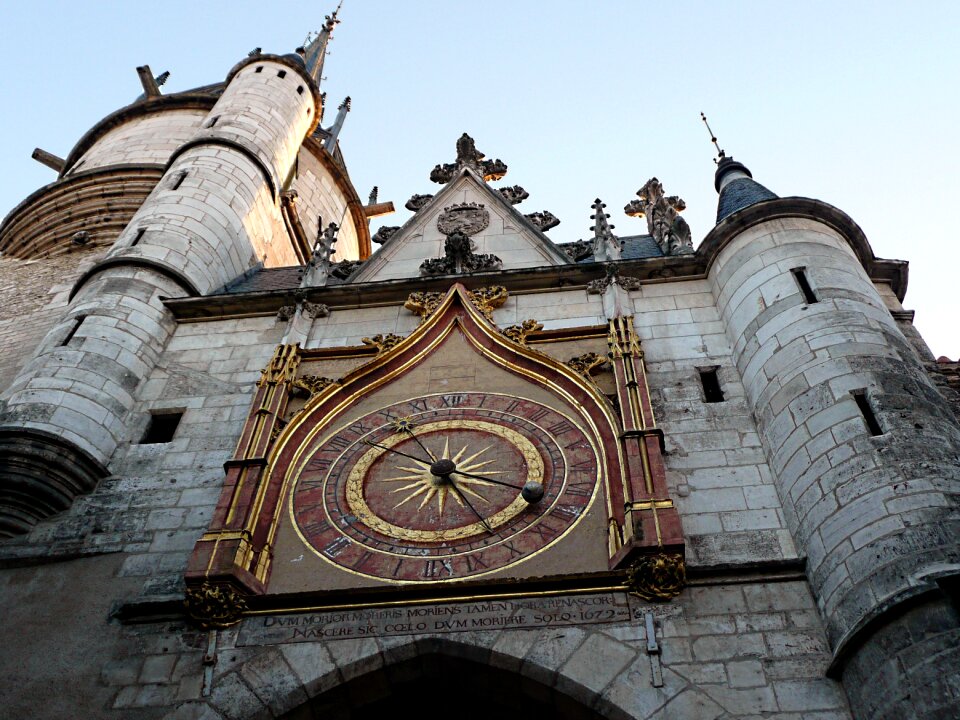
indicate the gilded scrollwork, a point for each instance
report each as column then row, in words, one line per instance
column 310, row 385
column 587, row 363
column 657, row 577
column 383, row 342
column 488, row 299
column 519, row 333
column 282, row 366
column 214, row 606
column 485, row 299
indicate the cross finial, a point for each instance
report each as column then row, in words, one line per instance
column 713, row 138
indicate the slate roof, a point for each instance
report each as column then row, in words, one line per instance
column 741, row 193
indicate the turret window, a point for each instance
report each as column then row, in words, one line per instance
column 800, row 275
column 138, row 237
column 77, row 322
column 162, row 427
column 866, row 409
column 259, row 69
column 179, row 181
column 281, row 73
column 712, row 392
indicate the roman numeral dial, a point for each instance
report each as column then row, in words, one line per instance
column 444, row 487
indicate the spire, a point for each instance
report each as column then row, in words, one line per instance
column 330, row 143
column 734, row 182
column 314, row 50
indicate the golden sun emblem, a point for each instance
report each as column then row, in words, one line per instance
column 424, row 484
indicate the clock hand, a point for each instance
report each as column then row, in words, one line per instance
column 469, row 504
column 429, row 454
column 384, row 447
column 485, row 479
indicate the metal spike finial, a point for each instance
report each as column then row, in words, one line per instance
column 713, row 138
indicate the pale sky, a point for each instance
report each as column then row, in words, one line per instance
column 854, row 103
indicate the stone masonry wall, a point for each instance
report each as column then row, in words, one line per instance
column 149, row 139
column 319, row 196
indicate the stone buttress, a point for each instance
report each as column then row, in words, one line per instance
column 213, row 215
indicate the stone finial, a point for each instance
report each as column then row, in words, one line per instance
column 255, row 52
column 314, row 50
column 372, row 200
column 384, row 233
column 468, row 157
column 333, row 132
column 544, row 220
column 606, row 245
column 514, row 194
column 318, row 267
column 663, row 220
column 417, row 201
column 459, row 257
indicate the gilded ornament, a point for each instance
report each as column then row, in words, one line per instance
column 383, row 342
column 282, row 366
column 423, row 303
column 488, row 299
column 310, row 385
column 622, row 338
column 518, row 333
column 214, row 606
column 657, row 577
column 585, row 364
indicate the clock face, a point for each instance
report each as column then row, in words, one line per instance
column 429, row 489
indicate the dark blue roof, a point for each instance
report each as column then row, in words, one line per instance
column 740, row 193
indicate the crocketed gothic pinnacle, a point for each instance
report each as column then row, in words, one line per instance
column 315, row 49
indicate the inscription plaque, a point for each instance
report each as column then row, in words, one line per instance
column 452, row 617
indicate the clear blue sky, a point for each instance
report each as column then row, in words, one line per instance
column 853, row 103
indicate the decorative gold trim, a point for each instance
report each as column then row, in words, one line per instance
column 311, row 384
column 657, row 578
column 485, row 299
column 214, row 606
column 585, row 364
column 519, row 333
column 382, row 342
column 282, row 366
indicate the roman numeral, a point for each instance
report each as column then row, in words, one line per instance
column 513, row 405
column 560, row 428
column 475, row 563
column 336, row 547
column 513, row 549
column 319, row 464
column 542, row 530
column 338, row 442
column 418, row 405
column 538, row 414
column 583, row 466
column 579, row 489
column 567, row 511
column 435, row 568
column 362, row 560
column 453, row 400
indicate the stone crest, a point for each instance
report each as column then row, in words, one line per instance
column 663, row 218
column 467, row 218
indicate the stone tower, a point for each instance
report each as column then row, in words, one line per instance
column 250, row 469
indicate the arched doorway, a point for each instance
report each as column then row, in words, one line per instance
column 439, row 686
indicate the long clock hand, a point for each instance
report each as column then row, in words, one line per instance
column 469, row 504
column 384, row 447
column 429, row 454
column 485, row 479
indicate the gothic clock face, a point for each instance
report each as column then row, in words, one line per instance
column 432, row 488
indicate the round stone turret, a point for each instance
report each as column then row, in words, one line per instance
column 863, row 448
column 212, row 216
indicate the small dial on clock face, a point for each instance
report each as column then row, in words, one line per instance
column 432, row 488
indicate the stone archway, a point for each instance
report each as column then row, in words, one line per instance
column 554, row 673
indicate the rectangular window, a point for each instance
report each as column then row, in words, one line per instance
column 800, row 275
column 77, row 322
column 282, row 74
column 162, row 427
column 710, row 384
column 179, row 181
column 863, row 402
column 213, row 121
column 138, row 237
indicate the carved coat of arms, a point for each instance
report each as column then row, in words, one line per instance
column 468, row 218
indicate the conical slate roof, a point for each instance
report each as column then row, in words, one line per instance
column 737, row 188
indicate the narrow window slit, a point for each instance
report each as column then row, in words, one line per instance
column 138, row 237
column 712, row 392
column 299, row 89
column 162, row 427
column 77, row 322
column 281, row 73
column 863, row 402
column 800, row 275
column 259, row 69
column 213, row 121
column 179, row 181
